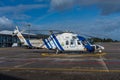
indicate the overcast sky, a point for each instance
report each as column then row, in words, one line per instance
column 94, row 17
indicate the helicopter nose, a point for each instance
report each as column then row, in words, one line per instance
column 101, row 47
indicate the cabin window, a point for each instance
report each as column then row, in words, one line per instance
column 78, row 42
column 71, row 42
column 67, row 43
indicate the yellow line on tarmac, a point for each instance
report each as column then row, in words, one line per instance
column 71, row 55
column 61, row 69
column 103, row 63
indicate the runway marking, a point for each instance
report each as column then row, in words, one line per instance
column 71, row 55
column 23, row 64
column 61, row 69
column 104, row 64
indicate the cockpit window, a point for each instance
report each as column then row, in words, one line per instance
column 78, row 42
column 84, row 42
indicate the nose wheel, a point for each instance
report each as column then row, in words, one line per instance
column 100, row 51
column 57, row 51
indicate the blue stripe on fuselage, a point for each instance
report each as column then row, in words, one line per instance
column 51, row 38
column 81, row 38
column 87, row 45
column 46, row 44
column 49, row 43
column 55, row 43
column 28, row 42
column 56, row 40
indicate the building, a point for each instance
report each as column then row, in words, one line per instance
column 6, row 39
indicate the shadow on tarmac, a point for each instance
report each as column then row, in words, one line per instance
column 8, row 77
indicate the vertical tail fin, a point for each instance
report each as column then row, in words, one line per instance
column 17, row 28
column 20, row 36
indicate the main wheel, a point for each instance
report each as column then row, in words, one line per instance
column 57, row 51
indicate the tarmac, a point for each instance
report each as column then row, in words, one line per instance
column 31, row 64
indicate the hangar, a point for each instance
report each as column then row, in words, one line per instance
column 7, row 39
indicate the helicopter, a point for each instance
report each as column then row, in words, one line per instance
column 64, row 42
column 71, row 42
column 29, row 43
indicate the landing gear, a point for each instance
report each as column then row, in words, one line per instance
column 57, row 51
column 100, row 51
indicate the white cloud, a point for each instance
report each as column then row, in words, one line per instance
column 5, row 23
column 18, row 12
column 61, row 4
column 20, row 8
column 106, row 6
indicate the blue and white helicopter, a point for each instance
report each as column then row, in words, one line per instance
column 68, row 41
column 62, row 42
